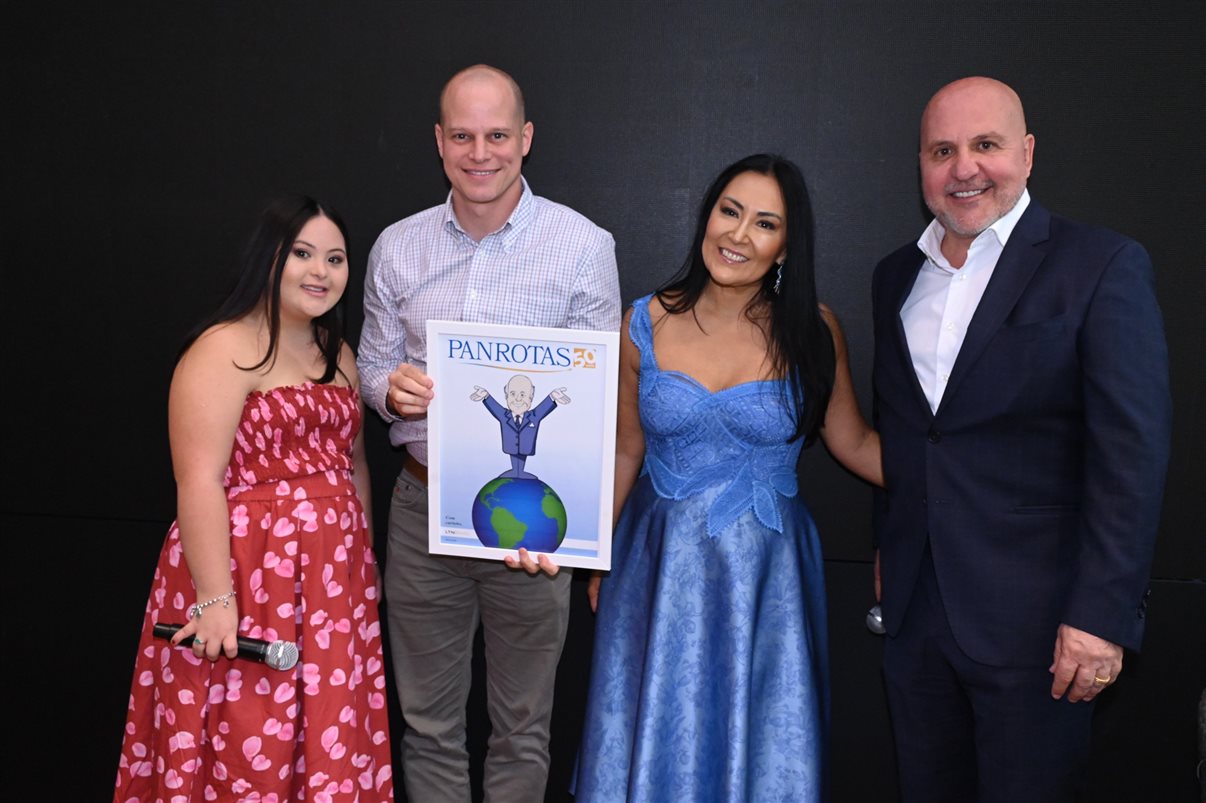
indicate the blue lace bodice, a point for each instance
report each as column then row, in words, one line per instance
column 696, row 439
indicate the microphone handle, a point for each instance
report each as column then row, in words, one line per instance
column 251, row 649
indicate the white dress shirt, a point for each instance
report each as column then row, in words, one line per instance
column 943, row 300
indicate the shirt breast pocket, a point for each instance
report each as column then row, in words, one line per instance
column 533, row 308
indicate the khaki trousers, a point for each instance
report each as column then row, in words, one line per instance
column 433, row 606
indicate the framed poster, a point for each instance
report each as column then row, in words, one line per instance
column 521, row 439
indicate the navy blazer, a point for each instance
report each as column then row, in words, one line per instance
column 520, row 438
column 1039, row 480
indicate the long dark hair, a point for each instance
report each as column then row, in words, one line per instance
column 262, row 263
column 800, row 345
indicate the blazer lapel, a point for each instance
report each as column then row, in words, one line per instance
column 1015, row 267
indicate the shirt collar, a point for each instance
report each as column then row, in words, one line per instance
column 520, row 216
column 930, row 241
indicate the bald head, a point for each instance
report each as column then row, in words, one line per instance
column 482, row 76
column 976, row 93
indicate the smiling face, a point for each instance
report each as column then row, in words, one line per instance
column 519, row 392
column 315, row 273
column 482, row 139
column 975, row 156
column 747, row 231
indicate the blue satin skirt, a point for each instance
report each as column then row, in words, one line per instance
column 709, row 676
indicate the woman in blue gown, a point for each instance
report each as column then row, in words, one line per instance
column 709, row 674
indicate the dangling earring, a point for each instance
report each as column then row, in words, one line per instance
column 778, row 278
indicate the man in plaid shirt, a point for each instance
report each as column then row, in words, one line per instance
column 496, row 253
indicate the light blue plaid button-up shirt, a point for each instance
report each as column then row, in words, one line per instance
column 546, row 266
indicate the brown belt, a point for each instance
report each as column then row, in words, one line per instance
column 415, row 469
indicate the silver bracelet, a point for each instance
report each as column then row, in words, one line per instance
column 195, row 609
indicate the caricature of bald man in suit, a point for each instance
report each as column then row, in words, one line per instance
column 519, row 423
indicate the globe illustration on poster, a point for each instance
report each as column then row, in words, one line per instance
column 514, row 512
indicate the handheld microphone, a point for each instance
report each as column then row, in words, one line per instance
column 875, row 621
column 276, row 654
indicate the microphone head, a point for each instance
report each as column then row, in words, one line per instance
column 281, row 655
column 875, row 621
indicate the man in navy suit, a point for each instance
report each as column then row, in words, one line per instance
column 1021, row 393
column 519, row 423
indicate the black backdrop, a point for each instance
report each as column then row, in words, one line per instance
column 143, row 138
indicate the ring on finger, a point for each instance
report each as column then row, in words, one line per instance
column 198, row 642
column 1101, row 680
